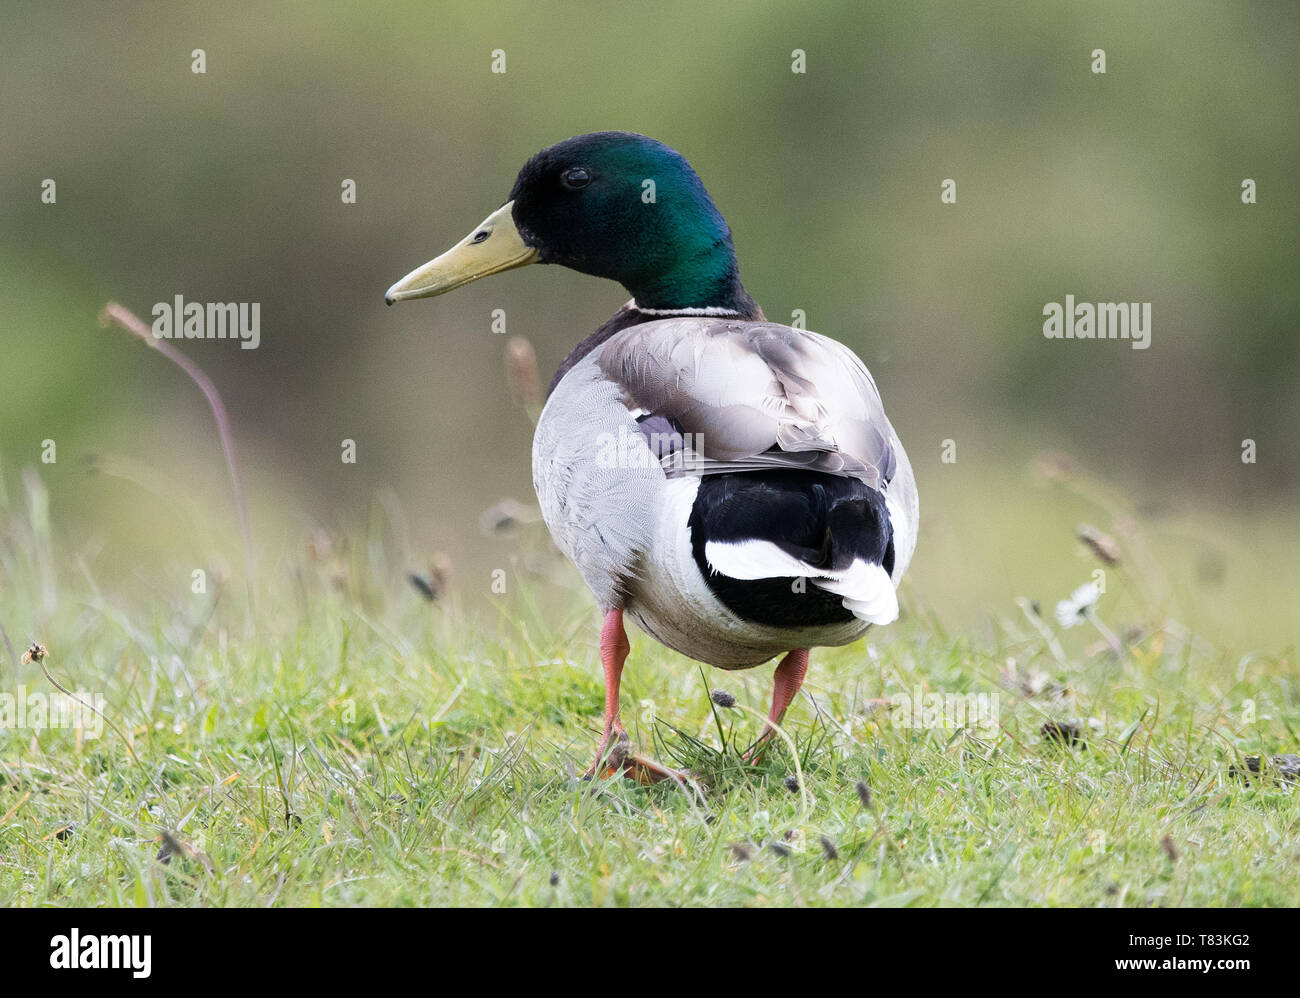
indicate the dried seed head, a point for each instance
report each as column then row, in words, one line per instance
column 1252, row 765
column 555, row 878
column 864, row 792
column 505, row 515
column 1284, row 768
column 1063, row 732
column 170, row 847
column 740, row 851
column 828, row 848
column 792, row 784
column 440, row 571
column 319, row 546
column 521, row 373
column 1287, row 766
column 1167, row 844
column 128, row 320
column 780, row 848
column 35, row 653
column 722, row 698
column 1102, row 546
column 423, row 585
column 434, row 585
column 1055, row 467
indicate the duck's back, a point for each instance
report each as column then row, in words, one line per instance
column 699, row 471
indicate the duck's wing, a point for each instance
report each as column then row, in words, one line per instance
column 756, row 396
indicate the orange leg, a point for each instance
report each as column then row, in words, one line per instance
column 786, row 682
column 614, row 648
column 615, row 752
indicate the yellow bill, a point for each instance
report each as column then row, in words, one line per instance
column 494, row 245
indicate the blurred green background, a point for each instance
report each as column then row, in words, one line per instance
column 226, row 187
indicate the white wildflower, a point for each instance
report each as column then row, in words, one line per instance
column 1075, row 610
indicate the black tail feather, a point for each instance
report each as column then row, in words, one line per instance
column 825, row 521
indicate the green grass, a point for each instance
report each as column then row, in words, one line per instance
column 351, row 744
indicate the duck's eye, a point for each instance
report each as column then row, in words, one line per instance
column 576, row 178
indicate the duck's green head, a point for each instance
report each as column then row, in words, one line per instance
column 610, row 204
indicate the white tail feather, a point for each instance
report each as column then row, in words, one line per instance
column 866, row 587
column 867, row 590
column 754, row 560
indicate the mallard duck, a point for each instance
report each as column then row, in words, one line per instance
column 731, row 484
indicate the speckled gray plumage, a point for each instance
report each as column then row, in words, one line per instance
column 757, row 395
column 754, row 395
